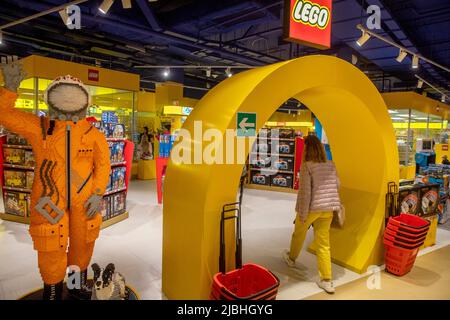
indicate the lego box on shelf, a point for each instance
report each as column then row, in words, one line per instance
column 259, row 178
column 15, row 178
column 105, row 208
column 119, row 203
column 14, row 156
column 29, row 159
column 429, row 200
column 283, row 163
column 283, row 147
column 260, row 161
column 16, row 203
column 282, row 180
column 408, row 200
column 15, row 139
column 282, row 133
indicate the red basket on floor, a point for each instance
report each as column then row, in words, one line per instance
column 396, row 238
column 410, row 221
column 399, row 261
column 246, row 282
column 402, row 233
column 251, row 282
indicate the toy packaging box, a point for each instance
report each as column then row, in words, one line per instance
column 264, row 133
column 15, row 139
column 261, row 146
column 282, row 180
column 283, row 147
column 105, row 208
column 30, row 179
column 109, row 186
column 17, row 203
column 118, row 178
column 259, row 178
column 429, row 200
column 259, row 161
column 283, row 163
column 408, row 200
column 282, row 133
column 14, row 156
column 119, row 203
column 116, row 151
column 15, row 179
column 29, row 159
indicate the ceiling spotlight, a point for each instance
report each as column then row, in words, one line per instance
column 443, row 98
column 166, row 72
column 208, row 86
column 420, row 84
column 228, row 72
column 401, row 55
column 105, row 6
column 208, row 72
column 365, row 36
column 415, row 62
column 1, row 37
column 126, row 4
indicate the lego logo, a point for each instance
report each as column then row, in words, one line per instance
column 93, row 75
column 311, row 14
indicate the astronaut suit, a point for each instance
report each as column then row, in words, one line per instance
column 71, row 174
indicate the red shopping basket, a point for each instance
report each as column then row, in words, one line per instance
column 399, row 261
column 394, row 230
column 246, row 282
column 396, row 238
column 410, row 222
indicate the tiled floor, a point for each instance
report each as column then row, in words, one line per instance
column 134, row 245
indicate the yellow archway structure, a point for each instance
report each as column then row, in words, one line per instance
column 364, row 148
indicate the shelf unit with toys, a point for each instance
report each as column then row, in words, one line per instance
column 17, row 173
column 274, row 161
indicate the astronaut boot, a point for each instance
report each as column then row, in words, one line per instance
column 53, row 291
column 85, row 292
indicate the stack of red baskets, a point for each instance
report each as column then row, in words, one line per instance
column 403, row 237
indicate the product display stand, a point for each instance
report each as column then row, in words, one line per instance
column 161, row 164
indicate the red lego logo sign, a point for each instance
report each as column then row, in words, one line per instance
column 93, row 75
column 309, row 22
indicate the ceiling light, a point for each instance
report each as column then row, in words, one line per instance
column 166, row 72
column 126, row 4
column 392, row 111
column 105, row 6
column 1, row 37
column 208, row 72
column 415, row 62
column 208, row 86
column 64, row 16
column 365, row 36
column 403, row 115
column 443, row 98
column 401, row 55
column 228, row 72
column 420, row 84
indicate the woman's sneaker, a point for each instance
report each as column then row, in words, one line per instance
column 289, row 261
column 327, row 286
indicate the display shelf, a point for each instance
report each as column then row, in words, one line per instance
column 114, row 191
column 17, row 189
column 14, row 218
column 116, row 139
column 15, row 166
column 114, row 220
column 279, row 139
column 274, row 154
column 272, row 170
column 17, row 146
column 270, row 188
column 118, row 164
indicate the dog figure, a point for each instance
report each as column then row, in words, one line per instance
column 108, row 284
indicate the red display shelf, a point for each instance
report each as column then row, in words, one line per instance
column 118, row 164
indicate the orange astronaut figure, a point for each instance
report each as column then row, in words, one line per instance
column 71, row 173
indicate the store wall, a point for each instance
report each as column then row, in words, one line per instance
column 356, row 120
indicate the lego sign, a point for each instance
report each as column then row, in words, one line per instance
column 93, row 75
column 308, row 22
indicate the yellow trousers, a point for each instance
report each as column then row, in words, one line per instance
column 321, row 222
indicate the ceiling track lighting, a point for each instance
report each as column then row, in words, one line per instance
column 228, row 72
column 126, row 4
column 443, row 98
column 422, row 81
column 363, row 39
column 401, row 55
column 105, row 6
column 415, row 62
column 166, row 72
column 208, row 72
column 367, row 34
column 419, row 84
column 64, row 16
column 1, row 37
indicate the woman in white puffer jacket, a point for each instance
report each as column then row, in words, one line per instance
column 318, row 198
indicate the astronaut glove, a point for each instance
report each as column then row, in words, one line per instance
column 92, row 205
column 13, row 73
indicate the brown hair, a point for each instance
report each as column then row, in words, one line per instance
column 314, row 150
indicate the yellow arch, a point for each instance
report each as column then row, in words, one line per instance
column 363, row 144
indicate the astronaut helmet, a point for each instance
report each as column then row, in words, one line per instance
column 67, row 99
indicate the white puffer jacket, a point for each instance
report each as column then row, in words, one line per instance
column 319, row 188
